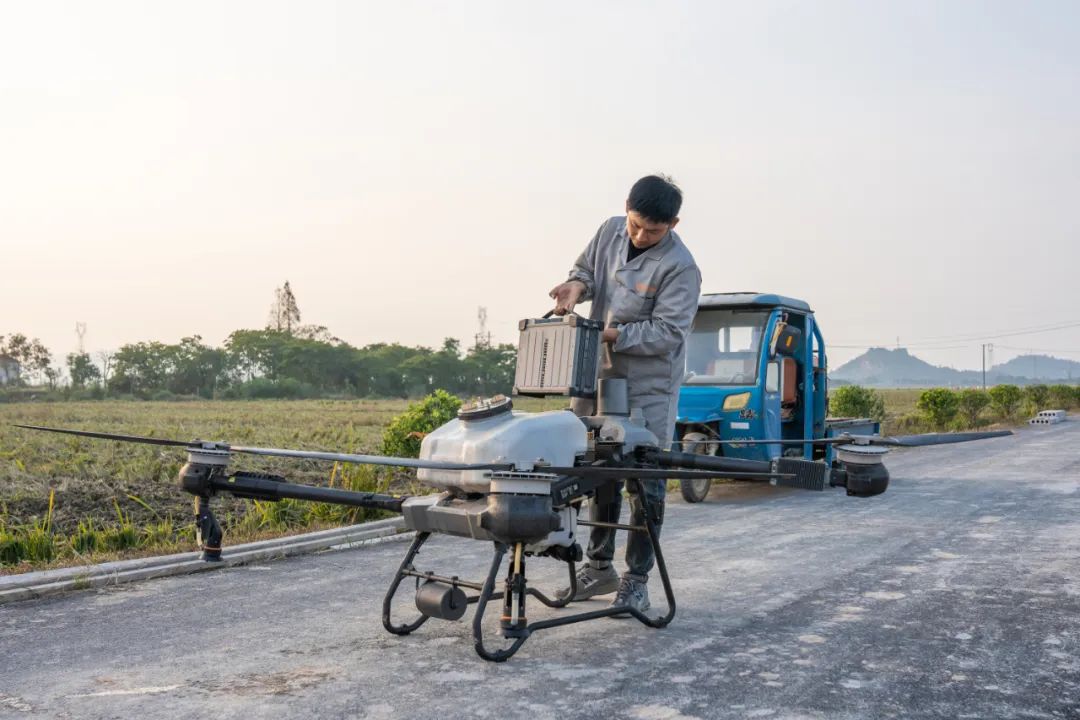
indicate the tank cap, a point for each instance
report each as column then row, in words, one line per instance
column 483, row 408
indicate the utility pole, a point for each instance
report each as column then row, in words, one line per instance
column 483, row 338
column 80, row 330
column 985, row 347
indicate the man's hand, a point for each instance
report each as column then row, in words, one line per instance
column 566, row 296
column 610, row 335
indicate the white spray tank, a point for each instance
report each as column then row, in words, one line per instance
column 490, row 431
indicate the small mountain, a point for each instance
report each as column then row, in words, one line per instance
column 1043, row 367
column 881, row 367
column 884, row 367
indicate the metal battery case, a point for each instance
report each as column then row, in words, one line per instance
column 558, row 356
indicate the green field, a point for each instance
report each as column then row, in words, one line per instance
column 129, row 491
column 108, row 486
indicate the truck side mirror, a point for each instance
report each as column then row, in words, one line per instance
column 788, row 341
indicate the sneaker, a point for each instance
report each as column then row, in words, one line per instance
column 592, row 581
column 633, row 592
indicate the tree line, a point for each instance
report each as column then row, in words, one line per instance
column 286, row 359
column 306, row 362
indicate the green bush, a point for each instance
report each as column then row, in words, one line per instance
column 284, row 514
column 119, row 537
column 857, row 401
column 940, row 406
column 1035, row 397
column 1063, row 397
column 30, row 542
column 34, row 543
column 159, row 534
column 403, row 435
column 971, row 403
column 123, row 534
column 87, row 538
column 12, row 548
column 40, row 545
column 1005, row 400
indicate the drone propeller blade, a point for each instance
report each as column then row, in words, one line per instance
column 937, row 438
column 812, row 441
column 617, row 473
column 369, row 459
column 113, row 436
column 895, row 441
column 278, row 452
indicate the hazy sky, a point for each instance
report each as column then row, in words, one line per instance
column 911, row 169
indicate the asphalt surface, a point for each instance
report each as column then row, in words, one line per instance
column 954, row 595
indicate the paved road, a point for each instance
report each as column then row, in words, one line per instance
column 956, row 594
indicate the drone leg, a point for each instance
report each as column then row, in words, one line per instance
column 406, row 564
column 513, row 621
column 207, row 530
column 661, row 566
column 485, row 595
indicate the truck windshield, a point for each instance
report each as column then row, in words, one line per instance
column 723, row 347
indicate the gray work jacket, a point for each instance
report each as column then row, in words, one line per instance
column 652, row 300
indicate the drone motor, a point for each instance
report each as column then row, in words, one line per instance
column 861, row 470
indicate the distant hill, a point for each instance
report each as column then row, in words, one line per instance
column 1039, row 366
column 881, row 367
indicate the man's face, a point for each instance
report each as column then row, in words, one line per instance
column 645, row 233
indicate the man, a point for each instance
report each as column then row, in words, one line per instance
column 644, row 285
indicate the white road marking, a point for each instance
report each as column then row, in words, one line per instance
column 133, row 691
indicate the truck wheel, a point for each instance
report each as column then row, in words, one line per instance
column 694, row 491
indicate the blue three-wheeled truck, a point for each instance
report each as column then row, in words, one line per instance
column 756, row 369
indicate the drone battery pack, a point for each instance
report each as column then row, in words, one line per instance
column 558, row 356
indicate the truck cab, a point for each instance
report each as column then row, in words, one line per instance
column 756, row 369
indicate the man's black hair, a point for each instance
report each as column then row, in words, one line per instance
column 656, row 198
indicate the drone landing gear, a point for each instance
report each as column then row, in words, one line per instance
column 207, row 530
column 445, row 602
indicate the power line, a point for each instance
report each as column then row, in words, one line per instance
column 1040, row 350
column 1046, row 327
column 964, row 338
column 903, row 347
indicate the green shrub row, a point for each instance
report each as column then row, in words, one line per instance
column 943, row 409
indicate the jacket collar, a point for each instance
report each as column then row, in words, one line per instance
column 654, row 253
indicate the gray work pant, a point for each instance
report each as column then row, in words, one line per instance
column 640, row 557
column 659, row 414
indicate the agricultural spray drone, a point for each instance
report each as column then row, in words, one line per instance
column 514, row 479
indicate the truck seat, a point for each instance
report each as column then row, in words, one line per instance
column 789, row 393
